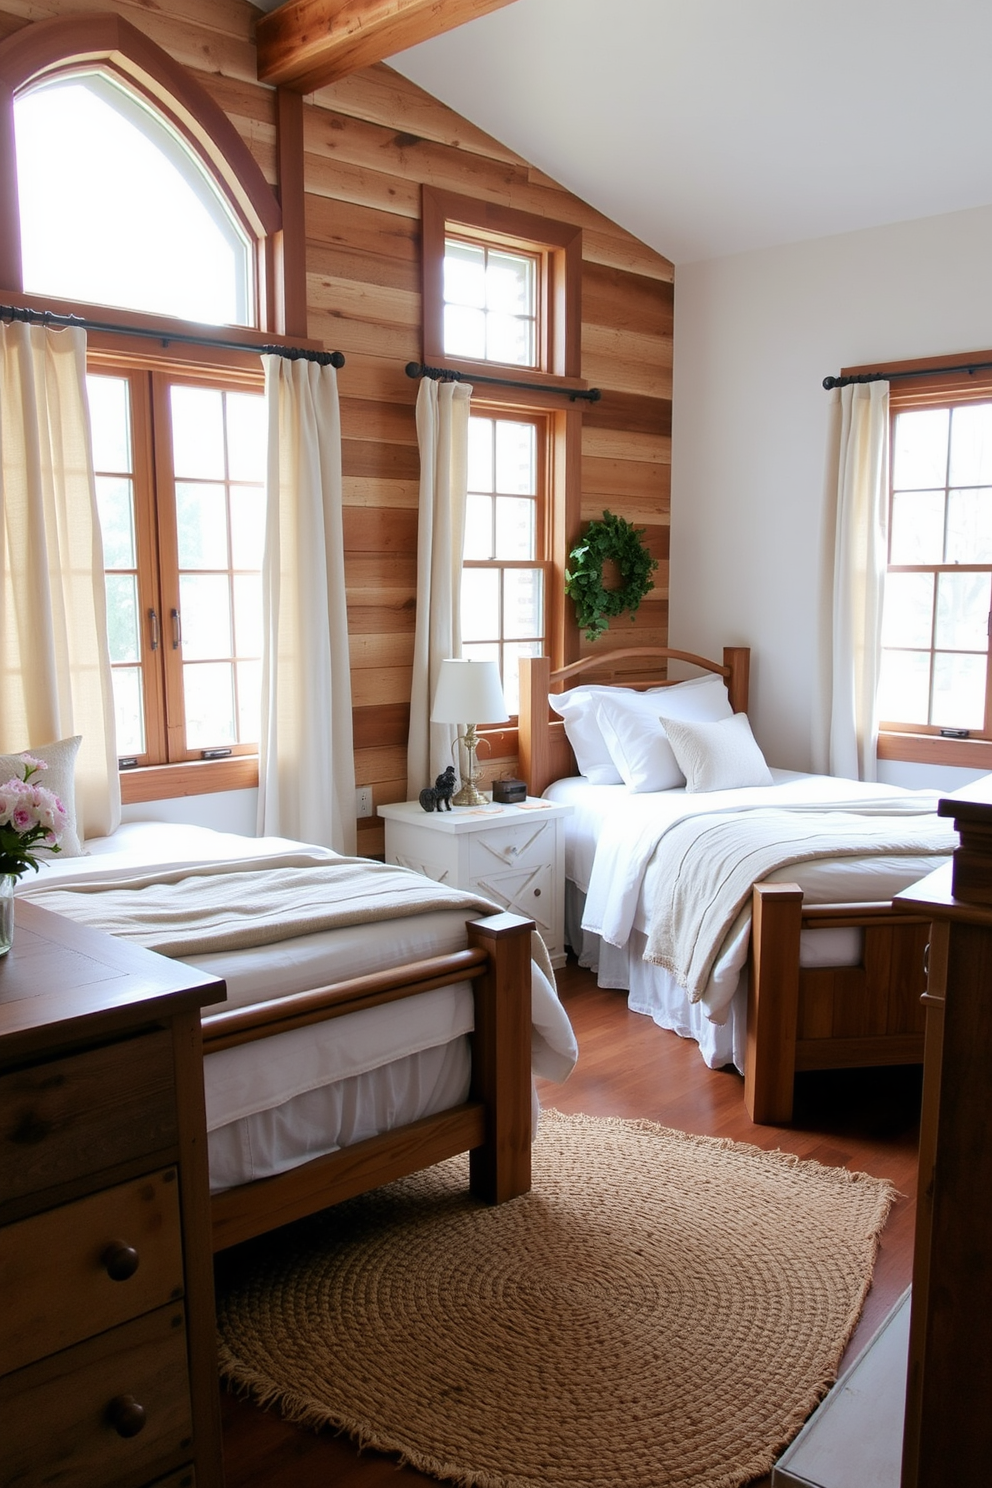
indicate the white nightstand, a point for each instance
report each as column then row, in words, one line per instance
column 514, row 855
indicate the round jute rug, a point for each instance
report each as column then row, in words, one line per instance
column 660, row 1309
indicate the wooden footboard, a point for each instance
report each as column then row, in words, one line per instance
column 494, row 1125
column 833, row 1017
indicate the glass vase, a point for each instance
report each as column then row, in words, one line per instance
column 7, row 881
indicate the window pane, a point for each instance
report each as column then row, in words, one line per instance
column 907, row 618
column 209, row 692
column 110, row 423
column 198, row 432
column 510, row 283
column 122, row 616
column 115, row 504
column 150, row 229
column 129, row 710
column 480, row 454
column 480, row 604
column 958, row 690
column 464, row 274
column 247, row 615
column 919, row 449
column 904, row 687
column 205, row 605
column 516, row 520
column 464, row 332
column 201, row 525
column 523, row 603
column 917, row 532
column 247, row 436
column 971, row 445
column 510, row 339
column 249, row 680
column 515, row 464
column 969, row 526
column 247, row 526
column 962, row 611
column 479, row 527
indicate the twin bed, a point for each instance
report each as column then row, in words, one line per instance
column 751, row 912
column 374, row 1023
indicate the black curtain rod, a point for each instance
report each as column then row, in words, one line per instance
column 969, row 367
column 446, row 374
column 51, row 318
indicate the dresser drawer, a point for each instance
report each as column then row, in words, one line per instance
column 85, row 1113
column 57, row 1414
column 518, row 844
column 74, row 1271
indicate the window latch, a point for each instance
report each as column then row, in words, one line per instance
column 955, row 733
column 177, row 634
column 214, row 754
column 153, row 628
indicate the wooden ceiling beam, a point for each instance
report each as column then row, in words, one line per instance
column 307, row 43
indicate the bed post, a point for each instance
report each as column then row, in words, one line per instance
column 772, row 1003
column 500, row 1168
column 535, row 684
column 738, row 659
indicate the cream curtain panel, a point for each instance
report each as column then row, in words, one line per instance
column 442, row 435
column 306, row 756
column 55, row 678
column 855, row 554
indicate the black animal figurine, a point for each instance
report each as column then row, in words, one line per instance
column 443, row 789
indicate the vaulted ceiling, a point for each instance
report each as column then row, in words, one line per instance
column 710, row 127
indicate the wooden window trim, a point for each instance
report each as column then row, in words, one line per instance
column 195, row 778
column 561, row 247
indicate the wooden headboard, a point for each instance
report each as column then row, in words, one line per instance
column 545, row 753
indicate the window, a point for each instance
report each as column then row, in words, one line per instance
column 180, row 468
column 501, row 286
column 490, row 303
column 151, row 229
column 935, row 702
column 504, row 578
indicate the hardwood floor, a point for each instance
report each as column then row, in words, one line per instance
column 863, row 1119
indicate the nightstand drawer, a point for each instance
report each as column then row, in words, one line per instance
column 515, row 845
column 85, row 1113
column 72, row 1272
column 63, row 1417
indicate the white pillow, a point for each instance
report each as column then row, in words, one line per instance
column 634, row 730
column 717, row 756
column 700, row 697
column 59, row 778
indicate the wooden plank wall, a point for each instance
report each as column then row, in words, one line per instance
column 370, row 142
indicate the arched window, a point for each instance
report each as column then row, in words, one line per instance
column 117, row 209
column 122, row 183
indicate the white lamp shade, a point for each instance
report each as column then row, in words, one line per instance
column 469, row 692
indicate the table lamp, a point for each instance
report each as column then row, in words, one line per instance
column 469, row 689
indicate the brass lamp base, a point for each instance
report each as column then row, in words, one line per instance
column 469, row 794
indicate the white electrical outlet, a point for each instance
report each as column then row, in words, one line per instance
column 363, row 800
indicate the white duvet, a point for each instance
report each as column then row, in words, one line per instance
column 616, row 835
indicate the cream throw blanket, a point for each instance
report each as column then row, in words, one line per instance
column 234, row 905
column 710, row 864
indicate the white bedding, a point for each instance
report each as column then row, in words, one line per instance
column 609, row 859
column 366, row 1072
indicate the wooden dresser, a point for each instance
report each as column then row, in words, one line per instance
column 108, row 1372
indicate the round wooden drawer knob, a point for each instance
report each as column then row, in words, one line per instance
column 537, row 893
column 126, row 1416
column 120, row 1260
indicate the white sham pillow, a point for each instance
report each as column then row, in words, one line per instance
column 634, row 730
column 699, row 697
column 59, row 778
column 717, row 756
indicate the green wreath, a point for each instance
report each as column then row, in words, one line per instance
column 615, row 538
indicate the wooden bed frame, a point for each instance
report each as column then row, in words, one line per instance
column 798, row 1018
column 493, row 1125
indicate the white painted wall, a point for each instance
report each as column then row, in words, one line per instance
column 224, row 811
column 755, row 334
